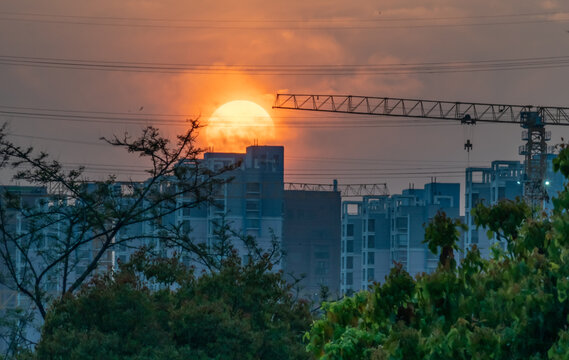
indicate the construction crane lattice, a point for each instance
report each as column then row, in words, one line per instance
column 346, row 190
column 532, row 118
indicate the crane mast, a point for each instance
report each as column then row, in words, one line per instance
column 532, row 118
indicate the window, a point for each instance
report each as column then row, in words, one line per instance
column 474, row 236
column 218, row 165
column 350, row 246
column 501, row 193
column 353, row 209
column 350, row 262
column 186, row 211
column 371, row 258
column 218, row 206
column 321, row 268
column 401, row 222
column 186, row 228
column 252, row 205
column 349, row 278
column 350, row 230
column 80, row 269
column 444, row 201
column 218, row 190
column 475, row 199
column 253, row 188
column 276, row 162
column 370, row 274
column 252, row 208
column 402, row 240
column 371, row 241
column 371, row 225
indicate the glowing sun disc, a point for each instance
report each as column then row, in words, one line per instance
column 238, row 124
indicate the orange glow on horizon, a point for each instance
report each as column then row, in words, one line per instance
column 238, row 124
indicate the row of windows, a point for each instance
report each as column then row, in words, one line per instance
column 367, row 242
column 367, row 274
column 368, row 258
column 348, row 262
column 252, row 206
column 370, row 227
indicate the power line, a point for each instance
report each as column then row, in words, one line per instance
column 312, row 122
column 144, row 118
column 307, row 70
column 142, row 115
column 58, row 139
column 251, row 20
column 73, row 111
column 289, row 24
column 411, row 163
column 326, row 172
column 372, row 160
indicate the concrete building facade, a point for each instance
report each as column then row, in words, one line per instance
column 502, row 180
column 305, row 224
column 311, row 241
column 381, row 230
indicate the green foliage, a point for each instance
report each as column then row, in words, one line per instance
column 443, row 234
column 244, row 311
column 503, row 219
column 514, row 305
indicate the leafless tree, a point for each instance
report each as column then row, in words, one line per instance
column 52, row 241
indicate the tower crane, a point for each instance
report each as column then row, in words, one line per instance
column 532, row 118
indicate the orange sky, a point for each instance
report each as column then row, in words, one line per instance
column 270, row 39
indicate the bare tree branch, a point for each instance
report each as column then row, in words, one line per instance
column 55, row 228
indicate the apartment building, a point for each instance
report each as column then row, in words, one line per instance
column 379, row 231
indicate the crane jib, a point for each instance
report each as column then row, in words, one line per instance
column 426, row 109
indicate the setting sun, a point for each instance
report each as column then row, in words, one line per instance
column 238, row 124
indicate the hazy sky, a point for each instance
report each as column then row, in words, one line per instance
column 282, row 47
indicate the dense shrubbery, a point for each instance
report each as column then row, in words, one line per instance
column 243, row 311
column 514, row 305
